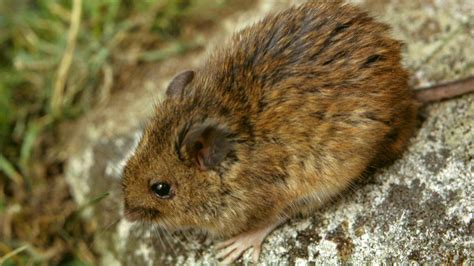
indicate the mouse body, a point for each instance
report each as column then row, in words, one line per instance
column 277, row 121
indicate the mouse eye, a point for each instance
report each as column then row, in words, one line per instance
column 162, row 190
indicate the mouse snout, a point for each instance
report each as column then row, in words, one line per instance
column 131, row 216
column 137, row 213
column 129, row 213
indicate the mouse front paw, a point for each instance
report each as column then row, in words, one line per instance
column 233, row 248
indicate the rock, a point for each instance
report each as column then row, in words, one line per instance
column 418, row 209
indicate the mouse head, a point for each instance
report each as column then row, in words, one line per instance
column 172, row 178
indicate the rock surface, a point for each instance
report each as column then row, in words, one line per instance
column 419, row 209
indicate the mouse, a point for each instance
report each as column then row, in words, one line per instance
column 278, row 120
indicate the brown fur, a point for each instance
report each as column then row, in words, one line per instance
column 308, row 99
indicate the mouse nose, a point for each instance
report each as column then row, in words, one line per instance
column 131, row 214
column 139, row 213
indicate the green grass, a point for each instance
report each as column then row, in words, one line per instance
column 33, row 41
column 50, row 73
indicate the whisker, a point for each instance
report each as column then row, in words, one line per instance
column 167, row 239
column 183, row 233
column 157, row 234
column 110, row 225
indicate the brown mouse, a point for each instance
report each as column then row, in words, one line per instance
column 276, row 122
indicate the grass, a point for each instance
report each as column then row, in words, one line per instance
column 58, row 59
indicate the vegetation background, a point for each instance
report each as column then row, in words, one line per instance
column 59, row 59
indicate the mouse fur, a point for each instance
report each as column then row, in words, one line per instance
column 278, row 120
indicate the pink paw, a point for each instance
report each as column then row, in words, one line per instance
column 233, row 248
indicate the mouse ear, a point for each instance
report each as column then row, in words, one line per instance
column 207, row 144
column 179, row 82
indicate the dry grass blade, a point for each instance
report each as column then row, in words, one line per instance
column 66, row 61
column 12, row 253
column 10, row 171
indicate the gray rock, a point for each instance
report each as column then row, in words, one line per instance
column 419, row 209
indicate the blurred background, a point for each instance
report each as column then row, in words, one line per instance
column 59, row 59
